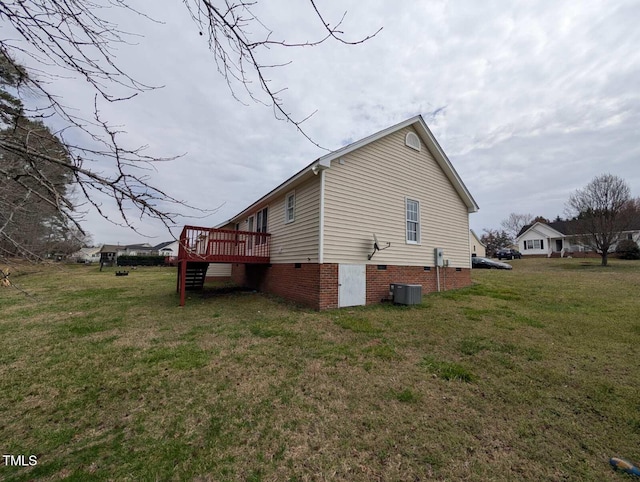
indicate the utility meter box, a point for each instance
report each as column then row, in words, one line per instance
column 439, row 256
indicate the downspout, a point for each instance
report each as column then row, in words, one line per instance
column 321, row 221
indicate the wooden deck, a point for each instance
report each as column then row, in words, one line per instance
column 212, row 245
column 200, row 245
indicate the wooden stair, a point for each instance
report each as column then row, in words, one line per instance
column 196, row 274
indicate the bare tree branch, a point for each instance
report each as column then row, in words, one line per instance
column 74, row 38
column 236, row 55
column 515, row 222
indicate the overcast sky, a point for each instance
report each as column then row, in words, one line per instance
column 529, row 100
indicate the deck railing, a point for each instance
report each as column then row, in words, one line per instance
column 223, row 245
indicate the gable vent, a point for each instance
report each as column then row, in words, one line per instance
column 412, row 140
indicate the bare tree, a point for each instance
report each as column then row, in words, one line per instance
column 603, row 209
column 514, row 223
column 75, row 36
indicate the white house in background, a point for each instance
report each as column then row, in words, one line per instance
column 168, row 248
column 144, row 249
column 87, row 255
column 477, row 247
column 559, row 238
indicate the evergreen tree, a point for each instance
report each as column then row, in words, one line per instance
column 35, row 209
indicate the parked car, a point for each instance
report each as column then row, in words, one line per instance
column 508, row 254
column 478, row 262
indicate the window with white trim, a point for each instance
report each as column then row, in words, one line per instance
column 413, row 221
column 250, row 221
column 290, row 207
column 534, row 244
column 261, row 225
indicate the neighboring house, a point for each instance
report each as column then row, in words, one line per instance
column 476, row 246
column 144, row 249
column 109, row 254
column 168, row 248
column 311, row 239
column 560, row 238
column 86, row 255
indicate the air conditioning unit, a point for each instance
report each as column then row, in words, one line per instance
column 405, row 294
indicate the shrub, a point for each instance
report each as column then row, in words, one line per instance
column 140, row 260
column 628, row 249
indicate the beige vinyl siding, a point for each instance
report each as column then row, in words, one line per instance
column 296, row 241
column 219, row 270
column 229, row 226
column 244, row 226
column 367, row 194
column 475, row 246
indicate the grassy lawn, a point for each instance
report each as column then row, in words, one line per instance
column 532, row 374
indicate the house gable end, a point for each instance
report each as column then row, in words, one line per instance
column 477, row 238
column 540, row 229
column 420, row 128
column 367, row 191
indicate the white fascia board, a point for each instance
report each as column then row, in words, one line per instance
column 477, row 238
column 550, row 232
column 530, row 230
column 313, row 168
column 324, row 162
column 219, row 226
column 327, row 158
column 445, row 164
column 537, row 229
column 428, row 138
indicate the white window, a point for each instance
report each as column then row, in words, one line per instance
column 413, row 221
column 534, row 244
column 290, row 207
column 261, row 225
column 250, row 222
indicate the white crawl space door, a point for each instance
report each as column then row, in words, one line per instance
column 352, row 285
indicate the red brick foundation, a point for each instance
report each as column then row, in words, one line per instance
column 238, row 274
column 298, row 284
column 378, row 280
column 316, row 285
column 328, row 286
